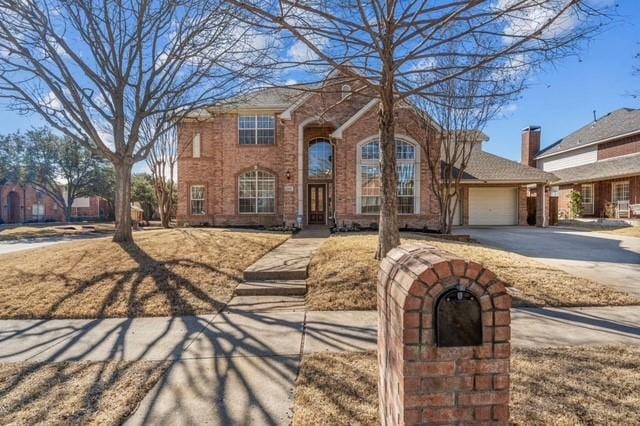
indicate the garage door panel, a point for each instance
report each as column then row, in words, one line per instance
column 493, row 206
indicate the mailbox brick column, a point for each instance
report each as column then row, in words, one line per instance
column 420, row 382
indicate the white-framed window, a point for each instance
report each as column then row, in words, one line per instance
column 195, row 144
column 257, row 192
column 256, row 130
column 197, row 200
column 346, row 91
column 555, row 191
column 369, row 188
column 586, row 192
column 620, row 191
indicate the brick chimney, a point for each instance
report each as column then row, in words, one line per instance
column 530, row 145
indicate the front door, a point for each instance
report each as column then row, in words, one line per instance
column 13, row 203
column 317, row 204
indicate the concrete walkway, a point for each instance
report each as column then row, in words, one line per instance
column 283, row 270
column 240, row 366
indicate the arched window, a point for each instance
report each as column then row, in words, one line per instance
column 320, row 159
column 369, row 187
column 346, row 91
column 257, row 192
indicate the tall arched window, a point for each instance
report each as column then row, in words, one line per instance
column 320, row 159
column 257, row 192
column 369, row 187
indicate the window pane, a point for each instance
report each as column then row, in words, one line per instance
column 247, row 137
column 247, row 122
column 266, row 136
column 320, row 159
column 256, row 193
column 371, row 151
column 197, row 200
column 405, row 151
column 370, row 205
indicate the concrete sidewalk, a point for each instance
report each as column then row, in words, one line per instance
column 239, row 366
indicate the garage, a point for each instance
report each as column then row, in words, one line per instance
column 493, row 206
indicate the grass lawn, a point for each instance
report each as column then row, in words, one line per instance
column 343, row 276
column 22, row 232
column 627, row 231
column 102, row 393
column 559, row 386
column 167, row 272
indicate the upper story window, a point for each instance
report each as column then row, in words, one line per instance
column 320, row 159
column 369, row 188
column 257, row 129
column 257, row 192
column 197, row 200
column 346, row 91
column 195, row 144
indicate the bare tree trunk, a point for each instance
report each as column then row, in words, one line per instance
column 123, row 232
column 388, row 233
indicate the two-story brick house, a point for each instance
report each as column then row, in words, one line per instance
column 600, row 160
column 285, row 155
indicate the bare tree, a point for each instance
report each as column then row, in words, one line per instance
column 453, row 122
column 389, row 47
column 162, row 162
column 97, row 69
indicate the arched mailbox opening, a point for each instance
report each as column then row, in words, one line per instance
column 458, row 319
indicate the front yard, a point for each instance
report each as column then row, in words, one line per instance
column 168, row 272
column 559, row 386
column 88, row 393
column 26, row 231
column 343, row 275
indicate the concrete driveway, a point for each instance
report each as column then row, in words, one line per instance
column 609, row 259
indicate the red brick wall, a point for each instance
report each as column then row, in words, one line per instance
column 223, row 159
column 603, row 192
column 27, row 198
column 625, row 146
column 420, row 382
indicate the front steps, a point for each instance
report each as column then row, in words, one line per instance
column 272, row 288
column 284, row 270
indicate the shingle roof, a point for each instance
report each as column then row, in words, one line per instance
column 269, row 97
column 487, row 167
column 604, row 169
column 619, row 122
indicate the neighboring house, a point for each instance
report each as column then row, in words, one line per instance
column 94, row 208
column 600, row 160
column 25, row 203
column 281, row 155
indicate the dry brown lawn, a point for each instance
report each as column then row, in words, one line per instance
column 168, row 272
column 88, row 393
column 628, row 231
column 25, row 232
column 337, row 389
column 559, row 386
column 342, row 276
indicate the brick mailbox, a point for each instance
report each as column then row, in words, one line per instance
column 443, row 340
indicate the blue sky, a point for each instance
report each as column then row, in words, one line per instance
column 560, row 99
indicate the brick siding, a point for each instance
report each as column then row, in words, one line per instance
column 624, row 146
column 27, row 196
column 421, row 382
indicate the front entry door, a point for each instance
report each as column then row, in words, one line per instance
column 317, row 204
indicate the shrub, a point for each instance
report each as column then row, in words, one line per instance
column 575, row 204
column 609, row 210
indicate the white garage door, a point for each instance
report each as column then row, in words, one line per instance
column 493, row 206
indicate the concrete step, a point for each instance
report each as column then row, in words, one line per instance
column 299, row 273
column 272, row 288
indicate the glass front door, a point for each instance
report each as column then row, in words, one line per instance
column 317, row 203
